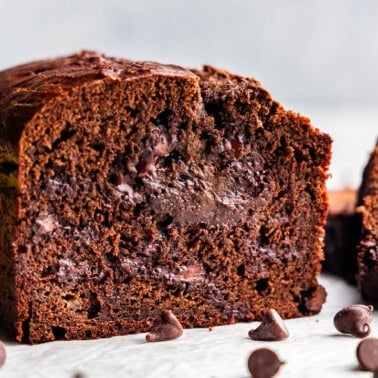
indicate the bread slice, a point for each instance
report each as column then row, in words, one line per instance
column 131, row 187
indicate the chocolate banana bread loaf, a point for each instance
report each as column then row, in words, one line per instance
column 367, row 257
column 132, row 187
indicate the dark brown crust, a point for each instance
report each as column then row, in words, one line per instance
column 26, row 88
column 203, row 195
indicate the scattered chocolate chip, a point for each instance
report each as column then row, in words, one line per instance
column 167, row 327
column 272, row 328
column 78, row 375
column 354, row 320
column 367, row 354
column 263, row 363
column 3, row 354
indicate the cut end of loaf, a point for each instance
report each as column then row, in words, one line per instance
column 156, row 187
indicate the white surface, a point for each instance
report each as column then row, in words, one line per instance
column 314, row 349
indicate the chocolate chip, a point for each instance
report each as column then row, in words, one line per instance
column 162, row 147
column 354, row 320
column 78, row 375
column 367, row 354
column 167, row 327
column 263, row 363
column 2, row 354
column 272, row 328
column 146, row 164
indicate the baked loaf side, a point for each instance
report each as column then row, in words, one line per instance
column 8, row 221
column 367, row 257
column 141, row 187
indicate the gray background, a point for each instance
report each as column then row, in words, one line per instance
column 317, row 57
